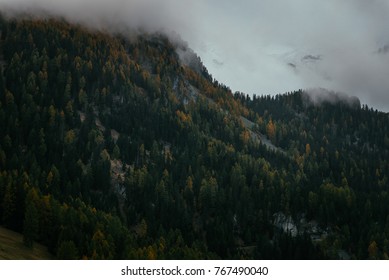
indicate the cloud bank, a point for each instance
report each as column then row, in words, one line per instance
column 252, row 45
column 317, row 96
column 114, row 15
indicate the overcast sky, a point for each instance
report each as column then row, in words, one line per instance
column 261, row 46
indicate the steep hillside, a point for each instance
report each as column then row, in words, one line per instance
column 12, row 248
column 114, row 148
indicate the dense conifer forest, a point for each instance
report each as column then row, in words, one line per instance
column 125, row 147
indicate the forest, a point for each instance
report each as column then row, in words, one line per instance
column 114, row 147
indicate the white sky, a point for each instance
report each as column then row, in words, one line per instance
column 262, row 46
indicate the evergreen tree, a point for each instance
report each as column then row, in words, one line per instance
column 31, row 219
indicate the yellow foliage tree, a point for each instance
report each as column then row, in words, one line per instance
column 271, row 130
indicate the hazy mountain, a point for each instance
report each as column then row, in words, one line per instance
column 116, row 147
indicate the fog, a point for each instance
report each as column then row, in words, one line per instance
column 261, row 47
column 111, row 15
column 317, row 96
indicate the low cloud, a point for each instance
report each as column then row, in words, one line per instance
column 292, row 65
column 310, row 58
column 217, row 62
column 384, row 49
column 111, row 15
column 318, row 96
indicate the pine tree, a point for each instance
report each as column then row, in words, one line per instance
column 31, row 219
column 67, row 251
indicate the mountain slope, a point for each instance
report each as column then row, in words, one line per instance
column 12, row 248
column 127, row 148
